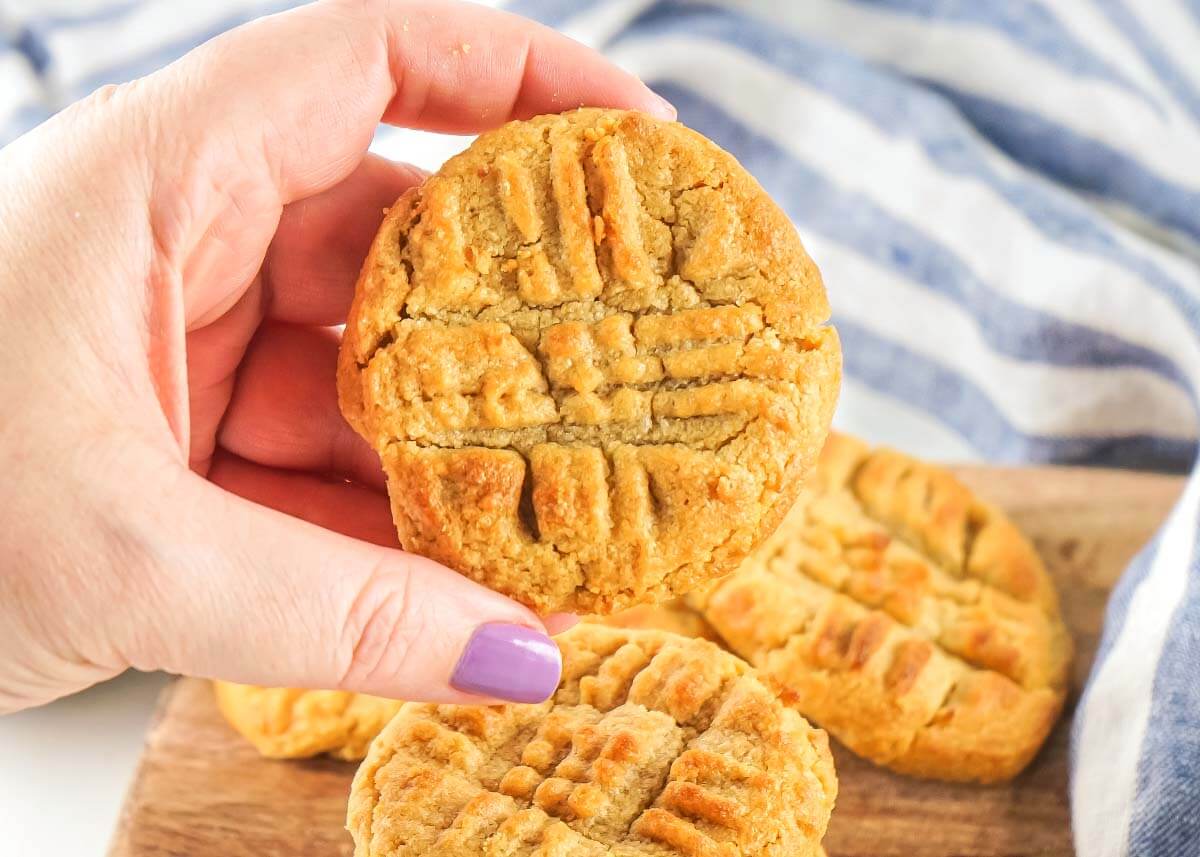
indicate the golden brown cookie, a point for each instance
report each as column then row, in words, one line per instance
column 674, row 616
column 592, row 356
column 286, row 723
column 904, row 615
column 653, row 745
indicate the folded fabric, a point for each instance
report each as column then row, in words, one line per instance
column 1004, row 199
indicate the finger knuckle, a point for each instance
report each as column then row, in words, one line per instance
column 104, row 94
column 381, row 630
column 108, row 97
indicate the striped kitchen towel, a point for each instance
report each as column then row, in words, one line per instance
column 1004, row 198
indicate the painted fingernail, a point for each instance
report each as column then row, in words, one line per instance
column 663, row 108
column 508, row 662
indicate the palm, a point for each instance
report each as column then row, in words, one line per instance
column 262, row 402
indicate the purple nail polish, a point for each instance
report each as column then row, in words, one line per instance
column 508, row 662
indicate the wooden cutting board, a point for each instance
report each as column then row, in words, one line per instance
column 202, row 791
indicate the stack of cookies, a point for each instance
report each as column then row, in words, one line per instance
column 593, row 358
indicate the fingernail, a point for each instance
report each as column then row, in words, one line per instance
column 508, row 662
column 663, row 108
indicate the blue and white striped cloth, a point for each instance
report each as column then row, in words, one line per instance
column 1004, row 198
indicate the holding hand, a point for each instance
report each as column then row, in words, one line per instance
column 182, row 492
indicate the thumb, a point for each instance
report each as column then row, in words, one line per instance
column 252, row 595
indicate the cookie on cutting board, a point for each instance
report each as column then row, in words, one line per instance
column 653, row 745
column 288, row 723
column 904, row 615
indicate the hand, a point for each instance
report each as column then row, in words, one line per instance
column 181, row 492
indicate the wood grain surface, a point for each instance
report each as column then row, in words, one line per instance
column 202, row 791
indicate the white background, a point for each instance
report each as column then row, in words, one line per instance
column 64, row 768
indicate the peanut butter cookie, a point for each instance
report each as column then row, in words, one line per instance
column 592, row 356
column 286, row 723
column 904, row 615
column 653, row 745
column 674, row 616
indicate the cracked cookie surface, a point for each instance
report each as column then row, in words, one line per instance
column 904, row 615
column 593, row 358
column 288, row 723
column 653, row 745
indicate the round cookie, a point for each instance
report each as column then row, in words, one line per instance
column 904, row 615
column 287, row 723
column 653, row 745
column 592, row 356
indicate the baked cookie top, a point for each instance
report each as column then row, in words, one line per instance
column 674, row 616
column 904, row 615
column 653, row 745
column 288, row 723
column 592, row 356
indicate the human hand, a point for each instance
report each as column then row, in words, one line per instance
column 181, row 491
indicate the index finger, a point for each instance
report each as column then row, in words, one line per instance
column 305, row 89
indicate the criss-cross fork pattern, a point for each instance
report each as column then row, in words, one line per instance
column 594, row 347
column 653, row 745
column 905, row 616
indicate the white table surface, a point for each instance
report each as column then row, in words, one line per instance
column 64, row 768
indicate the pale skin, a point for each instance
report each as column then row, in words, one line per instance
column 181, row 492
